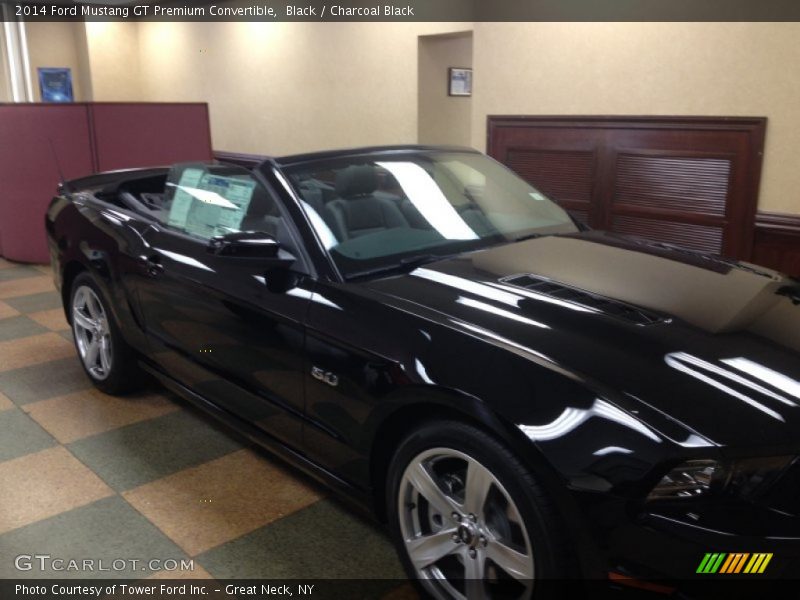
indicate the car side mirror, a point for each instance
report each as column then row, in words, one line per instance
column 252, row 245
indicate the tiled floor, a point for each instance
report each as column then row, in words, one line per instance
column 85, row 475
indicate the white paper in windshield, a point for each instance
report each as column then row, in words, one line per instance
column 182, row 200
column 210, row 204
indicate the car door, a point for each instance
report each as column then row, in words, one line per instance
column 213, row 322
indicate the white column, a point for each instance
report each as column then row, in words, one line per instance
column 16, row 67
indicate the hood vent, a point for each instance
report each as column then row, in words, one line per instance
column 716, row 259
column 565, row 293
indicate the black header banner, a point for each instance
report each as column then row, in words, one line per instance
column 402, row 10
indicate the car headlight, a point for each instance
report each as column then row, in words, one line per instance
column 688, row 480
column 744, row 478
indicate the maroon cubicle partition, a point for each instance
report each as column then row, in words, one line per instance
column 87, row 138
column 144, row 135
column 28, row 170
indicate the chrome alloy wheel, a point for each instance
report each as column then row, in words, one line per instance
column 463, row 533
column 92, row 334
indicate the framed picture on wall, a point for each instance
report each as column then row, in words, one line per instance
column 459, row 81
column 55, row 84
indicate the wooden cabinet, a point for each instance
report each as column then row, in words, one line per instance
column 686, row 181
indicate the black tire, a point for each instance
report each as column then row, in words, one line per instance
column 123, row 375
column 548, row 545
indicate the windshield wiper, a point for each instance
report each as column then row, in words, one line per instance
column 421, row 259
column 528, row 236
column 406, row 264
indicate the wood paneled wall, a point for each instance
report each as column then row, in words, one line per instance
column 689, row 181
column 777, row 242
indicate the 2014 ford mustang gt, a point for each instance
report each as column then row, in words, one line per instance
column 521, row 399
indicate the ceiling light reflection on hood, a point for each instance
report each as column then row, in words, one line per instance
column 774, row 378
column 473, row 287
column 732, row 376
column 679, row 360
column 545, row 298
column 572, row 418
column 499, row 311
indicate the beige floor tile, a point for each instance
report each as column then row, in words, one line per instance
column 33, row 350
column 5, row 403
column 43, row 484
column 4, row 264
column 7, row 311
column 26, row 286
column 46, row 269
column 88, row 412
column 204, row 506
column 52, row 319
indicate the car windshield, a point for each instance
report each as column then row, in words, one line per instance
column 386, row 211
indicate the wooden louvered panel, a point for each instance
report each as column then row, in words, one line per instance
column 686, row 184
column 690, row 181
column 562, row 175
column 694, row 237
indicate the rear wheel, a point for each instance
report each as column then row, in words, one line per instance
column 105, row 356
column 468, row 519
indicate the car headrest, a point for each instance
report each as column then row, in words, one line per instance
column 356, row 180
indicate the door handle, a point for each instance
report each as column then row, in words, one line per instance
column 152, row 265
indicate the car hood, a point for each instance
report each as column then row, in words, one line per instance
column 712, row 344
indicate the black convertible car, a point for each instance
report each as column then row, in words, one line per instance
column 521, row 399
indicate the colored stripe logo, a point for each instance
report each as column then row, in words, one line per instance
column 734, row 562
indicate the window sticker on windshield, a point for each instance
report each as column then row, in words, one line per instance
column 182, row 200
column 206, row 205
column 239, row 193
column 203, row 214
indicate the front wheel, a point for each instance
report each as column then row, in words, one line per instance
column 105, row 356
column 468, row 518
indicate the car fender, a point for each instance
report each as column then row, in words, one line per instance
column 82, row 238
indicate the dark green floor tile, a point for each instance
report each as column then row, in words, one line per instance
column 20, row 435
column 35, row 302
column 67, row 335
column 108, row 529
column 45, row 380
column 322, row 541
column 20, row 272
column 19, row 327
column 131, row 456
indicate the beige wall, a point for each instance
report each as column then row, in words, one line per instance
column 113, row 54
column 730, row 69
column 443, row 119
column 57, row 44
column 279, row 88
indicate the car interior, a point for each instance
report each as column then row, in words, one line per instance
column 364, row 199
column 353, row 202
column 361, row 209
column 153, row 196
